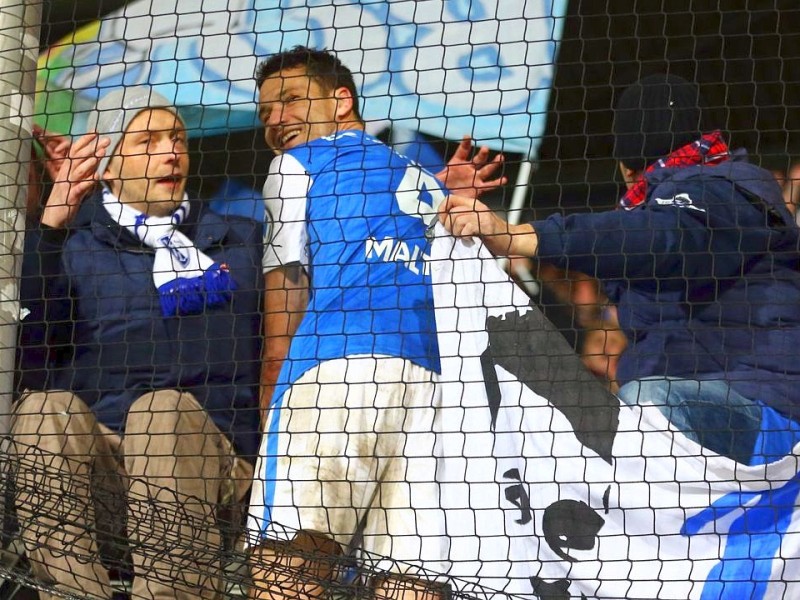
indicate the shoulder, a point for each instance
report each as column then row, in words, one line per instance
column 245, row 228
column 318, row 154
column 291, row 163
column 691, row 185
column 287, row 174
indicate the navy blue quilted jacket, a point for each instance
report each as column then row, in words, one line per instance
column 705, row 276
column 93, row 322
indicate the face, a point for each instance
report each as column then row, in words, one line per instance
column 296, row 109
column 149, row 168
column 630, row 176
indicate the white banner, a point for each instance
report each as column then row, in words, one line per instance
column 444, row 67
column 553, row 489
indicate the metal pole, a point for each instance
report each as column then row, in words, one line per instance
column 514, row 213
column 19, row 50
column 520, row 191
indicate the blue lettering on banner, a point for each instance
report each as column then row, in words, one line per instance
column 753, row 539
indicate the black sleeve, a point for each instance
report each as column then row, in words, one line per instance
column 45, row 329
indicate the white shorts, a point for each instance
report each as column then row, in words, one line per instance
column 349, row 452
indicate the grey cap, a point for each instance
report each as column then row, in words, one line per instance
column 115, row 111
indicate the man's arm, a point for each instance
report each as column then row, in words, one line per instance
column 285, row 303
column 45, row 307
column 467, row 217
column 285, row 277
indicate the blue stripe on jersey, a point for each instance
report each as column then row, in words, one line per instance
column 269, row 472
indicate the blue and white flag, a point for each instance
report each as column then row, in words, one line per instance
column 443, row 67
column 553, row 489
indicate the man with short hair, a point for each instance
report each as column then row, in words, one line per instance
column 701, row 261
column 347, row 464
column 153, row 412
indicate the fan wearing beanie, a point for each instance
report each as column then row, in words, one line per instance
column 145, row 194
column 153, row 305
column 701, row 261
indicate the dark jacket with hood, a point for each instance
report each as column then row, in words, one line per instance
column 92, row 321
column 705, row 277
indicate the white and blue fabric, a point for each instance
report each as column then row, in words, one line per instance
column 446, row 93
column 187, row 280
column 552, row 488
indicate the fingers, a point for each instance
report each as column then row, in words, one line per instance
column 487, row 167
column 485, row 185
column 472, row 175
column 461, row 155
column 485, row 170
column 57, row 147
column 461, row 216
column 454, row 201
column 54, row 144
column 461, row 222
column 480, row 157
column 83, row 158
column 79, row 189
column 83, row 168
column 88, row 144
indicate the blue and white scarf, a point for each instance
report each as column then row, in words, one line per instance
column 187, row 280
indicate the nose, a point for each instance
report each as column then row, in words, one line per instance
column 275, row 116
column 170, row 149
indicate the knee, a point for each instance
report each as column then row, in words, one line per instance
column 645, row 391
column 38, row 403
column 662, row 392
column 35, row 410
column 162, row 411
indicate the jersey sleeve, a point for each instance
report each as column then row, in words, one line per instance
column 285, row 198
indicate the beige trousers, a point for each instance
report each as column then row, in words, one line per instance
column 169, row 474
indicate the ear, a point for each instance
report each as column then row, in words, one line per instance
column 111, row 177
column 108, row 174
column 344, row 104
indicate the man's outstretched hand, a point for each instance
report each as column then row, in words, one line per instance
column 56, row 150
column 473, row 176
column 76, row 176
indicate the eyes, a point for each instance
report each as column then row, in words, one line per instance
column 151, row 140
column 265, row 111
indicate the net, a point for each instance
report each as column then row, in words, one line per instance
column 259, row 341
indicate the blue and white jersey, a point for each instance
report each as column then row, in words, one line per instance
column 355, row 214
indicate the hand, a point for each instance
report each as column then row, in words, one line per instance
column 468, row 217
column 471, row 177
column 76, row 176
column 791, row 188
column 56, row 150
column 601, row 352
